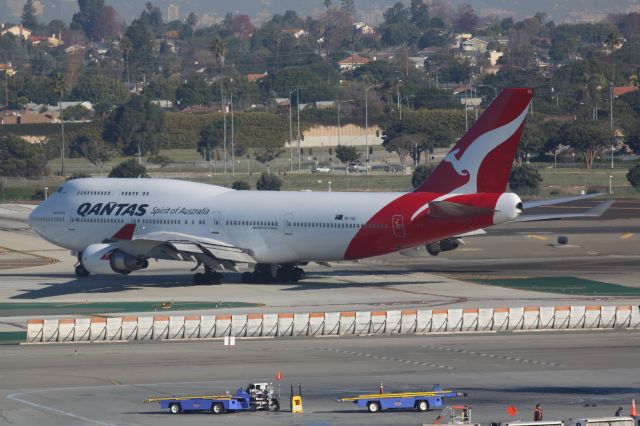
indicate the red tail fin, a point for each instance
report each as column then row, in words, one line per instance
column 482, row 158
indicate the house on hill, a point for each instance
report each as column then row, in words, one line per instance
column 352, row 62
column 16, row 30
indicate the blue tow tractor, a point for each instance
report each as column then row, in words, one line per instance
column 257, row 396
column 420, row 401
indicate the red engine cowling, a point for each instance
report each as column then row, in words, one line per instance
column 108, row 259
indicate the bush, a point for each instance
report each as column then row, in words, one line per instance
column 128, row 169
column 241, row 185
column 524, row 178
column 78, row 175
column 20, row 158
column 421, row 173
column 633, row 176
column 268, row 182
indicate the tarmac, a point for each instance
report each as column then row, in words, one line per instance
column 573, row 375
column 105, row 384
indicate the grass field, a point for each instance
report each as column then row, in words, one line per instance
column 563, row 285
column 566, row 179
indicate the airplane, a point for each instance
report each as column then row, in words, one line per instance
column 115, row 226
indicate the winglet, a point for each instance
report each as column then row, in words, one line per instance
column 125, row 233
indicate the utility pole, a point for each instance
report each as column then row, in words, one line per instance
column 399, row 103
column 613, row 136
column 224, row 132
column 233, row 151
column 366, row 128
column 298, row 108
column 62, row 137
column 290, row 136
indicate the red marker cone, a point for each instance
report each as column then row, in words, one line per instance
column 634, row 413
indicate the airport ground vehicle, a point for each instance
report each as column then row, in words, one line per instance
column 256, row 397
column 420, row 401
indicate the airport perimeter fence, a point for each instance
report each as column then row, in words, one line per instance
column 350, row 323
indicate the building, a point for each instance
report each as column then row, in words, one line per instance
column 474, row 45
column 8, row 68
column 296, row 32
column 493, row 56
column 16, row 30
column 173, row 13
column 257, row 77
column 352, row 62
column 51, row 41
column 364, row 28
column 623, row 90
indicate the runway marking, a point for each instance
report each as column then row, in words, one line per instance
column 537, row 237
column 482, row 354
column 14, row 397
column 626, row 236
column 388, row 358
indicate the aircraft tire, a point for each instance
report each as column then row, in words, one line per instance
column 81, row 271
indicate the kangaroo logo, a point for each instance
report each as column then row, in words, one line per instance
column 468, row 162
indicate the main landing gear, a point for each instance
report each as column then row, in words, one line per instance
column 271, row 273
column 209, row 277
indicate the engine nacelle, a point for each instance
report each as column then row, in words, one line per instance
column 108, row 259
column 448, row 244
column 508, row 208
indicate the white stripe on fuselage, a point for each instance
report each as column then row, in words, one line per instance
column 322, row 224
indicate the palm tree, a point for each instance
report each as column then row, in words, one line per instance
column 127, row 47
column 59, row 87
column 192, row 21
column 612, row 41
column 217, row 47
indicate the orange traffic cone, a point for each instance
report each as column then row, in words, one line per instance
column 634, row 413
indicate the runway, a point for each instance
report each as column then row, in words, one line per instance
column 570, row 374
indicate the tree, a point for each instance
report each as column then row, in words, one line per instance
column 141, row 57
column 588, row 139
column 59, row 87
column 633, row 176
column 466, row 19
column 93, row 148
column 161, row 160
column 421, row 173
column 153, row 17
column 29, row 19
column 347, row 154
column 192, row 21
column 128, row 169
column 532, row 142
column 20, row 158
column 419, row 14
column 101, row 89
column 348, row 6
column 87, row 16
column 241, row 185
column 108, row 24
column 135, row 127
column 268, row 182
column 524, row 178
column 77, row 175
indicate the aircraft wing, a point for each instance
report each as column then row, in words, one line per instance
column 448, row 209
column 595, row 211
column 179, row 246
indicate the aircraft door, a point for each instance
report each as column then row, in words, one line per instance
column 288, row 224
column 215, row 224
column 397, row 224
column 71, row 224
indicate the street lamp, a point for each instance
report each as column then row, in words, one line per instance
column 233, row 150
column 366, row 123
column 610, row 186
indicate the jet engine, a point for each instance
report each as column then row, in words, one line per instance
column 108, row 259
column 448, row 244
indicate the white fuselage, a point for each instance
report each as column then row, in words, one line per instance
column 278, row 227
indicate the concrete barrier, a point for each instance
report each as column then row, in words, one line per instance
column 408, row 321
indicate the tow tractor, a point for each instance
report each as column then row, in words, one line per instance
column 256, row 397
column 420, row 401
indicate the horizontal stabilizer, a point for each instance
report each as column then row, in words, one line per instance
column 447, row 209
column 554, row 201
column 594, row 212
